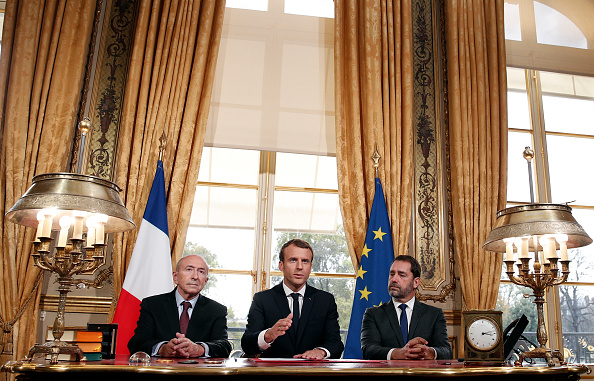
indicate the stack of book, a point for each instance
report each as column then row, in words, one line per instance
column 88, row 341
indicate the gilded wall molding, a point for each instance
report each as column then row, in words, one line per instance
column 77, row 304
column 103, row 93
column 432, row 222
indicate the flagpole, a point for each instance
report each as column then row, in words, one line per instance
column 149, row 271
column 376, row 157
column 163, row 140
column 371, row 277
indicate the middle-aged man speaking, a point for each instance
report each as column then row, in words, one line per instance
column 183, row 323
column 293, row 319
column 386, row 329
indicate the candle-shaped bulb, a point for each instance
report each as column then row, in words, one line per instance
column 522, row 243
column 79, row 217
column 65, row 223
column 91, row 224
column 548, row 247
column 47, row 224
column 41, row 220
column 100, row 220
column 562, row 239
column 509, row 249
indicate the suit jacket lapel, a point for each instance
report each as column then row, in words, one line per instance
column 194, row 325
column 417, row 315
column 390, row 311
column 170, row 311
column 283, row 306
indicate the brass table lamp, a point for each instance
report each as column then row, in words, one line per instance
column 71, row 203
column 543, row 230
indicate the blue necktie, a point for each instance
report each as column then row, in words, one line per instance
column 295, row 297
column 403, row 323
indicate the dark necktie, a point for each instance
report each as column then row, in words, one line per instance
column 295, row 297
column 184, row 319
column 403, row 323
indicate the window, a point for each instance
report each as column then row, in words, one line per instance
column 555, row 117
column 551, row 35
column 247, row 204
column 267, row 171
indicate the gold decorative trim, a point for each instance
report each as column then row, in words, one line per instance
column 226, row 185
column 507, row 281
column 309, row 190
column 79, row 304
column 276, row 188
column 245, row 368
column 453, row 317
column 320, row 275
column 439, row 15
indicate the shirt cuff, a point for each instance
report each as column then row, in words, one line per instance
column 262, row 344
column 156, row 347
column 390, row 353
column 205, row 346
column 325, row 350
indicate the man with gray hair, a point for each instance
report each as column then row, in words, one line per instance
column 183, row 323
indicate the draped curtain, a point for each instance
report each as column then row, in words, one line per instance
column 374, row 100
column 168, row 91
column 44, row 52
column 477, row 87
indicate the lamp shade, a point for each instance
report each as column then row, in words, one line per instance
column 68, row 192
column 535, row 220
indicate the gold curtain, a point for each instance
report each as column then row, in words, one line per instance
column 475, row 45
column 374, row 99
column 168, row 90
column 44, row 52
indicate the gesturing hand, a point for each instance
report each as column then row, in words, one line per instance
column 278, row 329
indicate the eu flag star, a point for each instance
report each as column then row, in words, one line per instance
column 365, row 293
column 379, row 234
column 360, row 272
column 365, row 251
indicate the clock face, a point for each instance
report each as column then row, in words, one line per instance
column 482, row 334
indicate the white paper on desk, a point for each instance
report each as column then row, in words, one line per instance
column 279, row 359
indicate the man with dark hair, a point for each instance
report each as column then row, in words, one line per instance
column 168, row 326
column 386, row 329
column 293, row 319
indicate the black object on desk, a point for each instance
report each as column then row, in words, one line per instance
column 110, row 334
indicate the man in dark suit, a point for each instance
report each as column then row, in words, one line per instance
column 293, row 319
column 183, row 323
column 385, row 329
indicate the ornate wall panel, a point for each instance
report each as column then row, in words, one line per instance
column 106, row 87
column 432, row 220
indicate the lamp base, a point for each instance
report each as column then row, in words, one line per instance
column 54, row 348
column 543, row 353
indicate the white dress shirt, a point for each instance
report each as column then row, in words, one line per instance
column 262, row 344
column 180, row 308
column 409, row 311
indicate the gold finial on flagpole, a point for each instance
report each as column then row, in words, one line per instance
column 162, row 145
column 376, row 156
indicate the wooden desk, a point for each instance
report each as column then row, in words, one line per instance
column 309, row 370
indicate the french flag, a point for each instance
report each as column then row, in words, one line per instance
column 149, row 272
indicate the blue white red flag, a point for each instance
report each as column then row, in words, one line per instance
column 149, row 272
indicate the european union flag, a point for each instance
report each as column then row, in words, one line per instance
column 372, row 276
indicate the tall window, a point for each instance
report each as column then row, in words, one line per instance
column 555, row 117
column 553, row 113
column 248, row 203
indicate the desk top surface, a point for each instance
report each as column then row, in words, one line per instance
column 428, row 368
